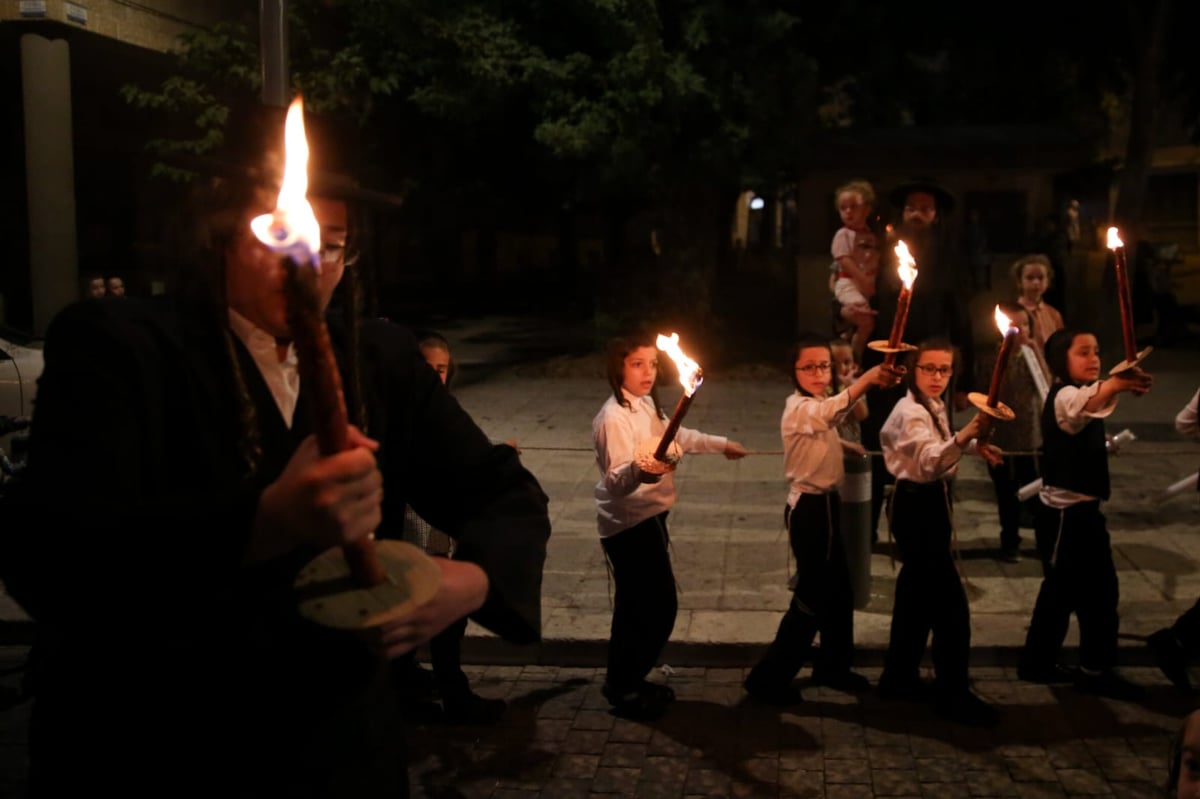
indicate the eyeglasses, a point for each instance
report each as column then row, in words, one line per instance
column 940, row 371
column 814, row 368
column 333, row 252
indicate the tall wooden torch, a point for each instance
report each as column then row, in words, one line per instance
column 1125, row 301
column 664, row 455
column 990, row 403
column 365, row 583
column 906, row 268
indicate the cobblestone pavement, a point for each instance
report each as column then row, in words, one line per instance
column 558, row 741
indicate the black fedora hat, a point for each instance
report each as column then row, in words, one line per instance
column 941, row 195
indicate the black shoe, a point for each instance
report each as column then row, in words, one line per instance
column 1171, row 658
column 912, row 689
column 1053, row 674
column 636, row 704
column 777, row 695
column 966, row 708
column 413, row 682
column 842, row 680
column 1107, row 682
column 472, row 709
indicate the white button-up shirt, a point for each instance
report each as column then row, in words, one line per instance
column 913, row 446
column 622, row 501
column 812, row 450
column 281, row 377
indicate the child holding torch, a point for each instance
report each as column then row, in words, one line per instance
column 631, row 510
column 822, row 599
column 922, row 451
column 1072, row 536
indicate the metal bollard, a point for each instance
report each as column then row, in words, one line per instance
column 856, row 525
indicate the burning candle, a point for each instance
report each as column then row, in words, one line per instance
column 690, row 377
column 1124, row 294
column 908, row 273
column 293, row 232
column 1005, row 325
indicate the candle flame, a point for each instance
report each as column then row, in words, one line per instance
column 1114, row 241
column 1003, row 323
column 907, row 267
column 690, row 376
column 292, row 228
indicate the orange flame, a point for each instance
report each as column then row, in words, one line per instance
column 1114, row 240
column 907, row 267
column 1003, row 323
column 292, row 228
column 690, row 375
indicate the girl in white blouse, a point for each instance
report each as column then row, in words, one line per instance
column 632, row 507
column 922, row 451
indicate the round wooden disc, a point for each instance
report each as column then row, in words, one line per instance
column 644, row 456
column 327, row 596
column 1123, row 365
column 1001, row 411
column 882, row 346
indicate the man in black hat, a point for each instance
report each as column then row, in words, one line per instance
column 937, row 307
column 164, row 597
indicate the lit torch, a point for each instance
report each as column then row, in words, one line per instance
column 690, row 377
column 991, row 404
column 907, row 270
column 1125, row 300
column 293, row 232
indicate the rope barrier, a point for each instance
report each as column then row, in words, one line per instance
column 1139, row 452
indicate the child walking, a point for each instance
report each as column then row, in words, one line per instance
column 821, row 600
column 632, row 507
column 856, row 258
column 1026, row 384
column 1072, row 536
column 922, row 452
column 1033, row 275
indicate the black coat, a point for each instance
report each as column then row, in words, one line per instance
column 136, row 514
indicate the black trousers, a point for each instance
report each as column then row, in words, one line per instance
column 1187, row 628
column 1014, row 472
column 644, row 603
column 1079, row 578
column 822, row 600
column 929, row 593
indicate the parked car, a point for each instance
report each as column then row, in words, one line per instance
column 20, row 368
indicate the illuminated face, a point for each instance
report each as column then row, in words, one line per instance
column 116, row 287
column 853, row 210
column 920, row 209
column 1033, row 281
column 1188, row 785
column 95, row 287
column 439, row 358
column 1083, row 358
column 254, row 275
column 813, row 370
column 843, row 360
column 640, row 372
column 934, row 370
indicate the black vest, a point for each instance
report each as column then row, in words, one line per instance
column 1075, row 462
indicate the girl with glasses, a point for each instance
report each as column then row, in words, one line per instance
column 822, row 599
column 922, row 451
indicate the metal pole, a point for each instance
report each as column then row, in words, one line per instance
column 273, row 52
